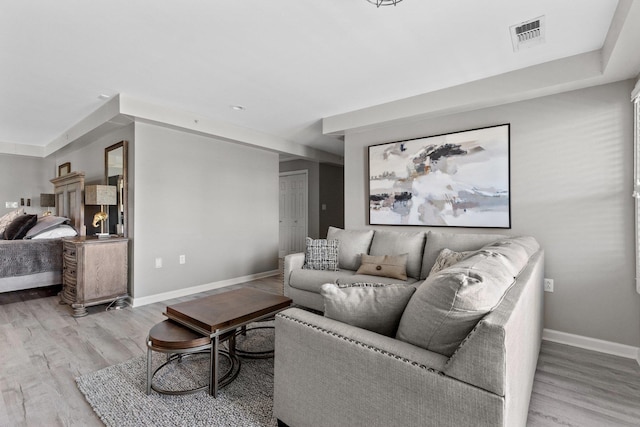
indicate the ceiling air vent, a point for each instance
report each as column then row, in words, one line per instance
column 527, row 34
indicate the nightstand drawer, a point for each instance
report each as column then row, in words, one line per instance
column 69, row 252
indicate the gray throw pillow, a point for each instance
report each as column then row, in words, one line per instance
column 437, row 241
column 447, row 258
column 352, row 244
column 375, row 307
column 321, row 254
column 448, row 305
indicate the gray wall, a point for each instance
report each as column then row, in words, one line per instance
column 313, row 196
column 24, row 177
column 213, row 201
column 89, row 159
column 571, row 184
column 332, row 197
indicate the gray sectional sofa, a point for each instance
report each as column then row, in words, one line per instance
column 463, row 351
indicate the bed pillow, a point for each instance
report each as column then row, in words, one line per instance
column 7, row 219
column 372, row 306
column 447, row 258
column 57, row 233
column 19, row 227
column 394, row 266
column 45, row 223
column 321, row 254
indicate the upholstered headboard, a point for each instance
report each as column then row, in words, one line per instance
column 69, row 191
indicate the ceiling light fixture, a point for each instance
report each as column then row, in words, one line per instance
column 379, row 3
column 103, row 96
column 237, row 107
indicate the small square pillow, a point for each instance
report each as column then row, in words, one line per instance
column 321, row 254
column 19, row 227
column 446, row 258
column 394, row 266
column 372, row 306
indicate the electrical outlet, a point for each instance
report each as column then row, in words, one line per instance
column 9, row 205
column 183, row 259
column 548, row 285
column 158, row 262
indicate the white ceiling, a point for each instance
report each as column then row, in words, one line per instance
column 290, row 63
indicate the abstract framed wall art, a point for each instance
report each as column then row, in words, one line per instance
column 459, row 179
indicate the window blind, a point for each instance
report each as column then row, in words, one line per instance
column 636, row 176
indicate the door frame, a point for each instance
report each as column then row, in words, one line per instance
column 304, row 172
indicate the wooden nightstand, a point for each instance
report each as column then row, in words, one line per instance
column 94, row 272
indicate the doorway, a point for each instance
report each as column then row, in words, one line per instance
column 293, row 212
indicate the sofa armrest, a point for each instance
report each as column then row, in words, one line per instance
column 509, row 337
column 291, row 262
column 394, row 348
column 330, row 373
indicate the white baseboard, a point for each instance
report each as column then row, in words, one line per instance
column 137, row 302
column 595, row 344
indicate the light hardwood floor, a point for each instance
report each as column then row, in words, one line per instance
column 43, row 349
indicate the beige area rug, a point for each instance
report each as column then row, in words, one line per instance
column 118, row 396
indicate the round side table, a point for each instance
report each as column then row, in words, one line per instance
column 179, row 342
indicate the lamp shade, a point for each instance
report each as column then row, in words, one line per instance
column 100, row 195
column 47, row 200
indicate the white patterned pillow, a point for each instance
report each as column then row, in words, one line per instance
column 447, row 258
column 321, row 254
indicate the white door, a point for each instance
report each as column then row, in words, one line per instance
column 293, row 212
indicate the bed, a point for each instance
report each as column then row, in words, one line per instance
column 35, row 262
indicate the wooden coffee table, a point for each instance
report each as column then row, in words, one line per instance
column 217, row 314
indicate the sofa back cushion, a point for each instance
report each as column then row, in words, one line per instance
column 448, row 304
column 437, row 241
column 398, row 243
column 353, row 243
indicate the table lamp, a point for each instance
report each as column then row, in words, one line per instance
column 100, row 195
column 46, row 201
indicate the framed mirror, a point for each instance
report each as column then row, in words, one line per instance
column 115, row 168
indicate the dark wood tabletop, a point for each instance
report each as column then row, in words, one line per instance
column 227, row 309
